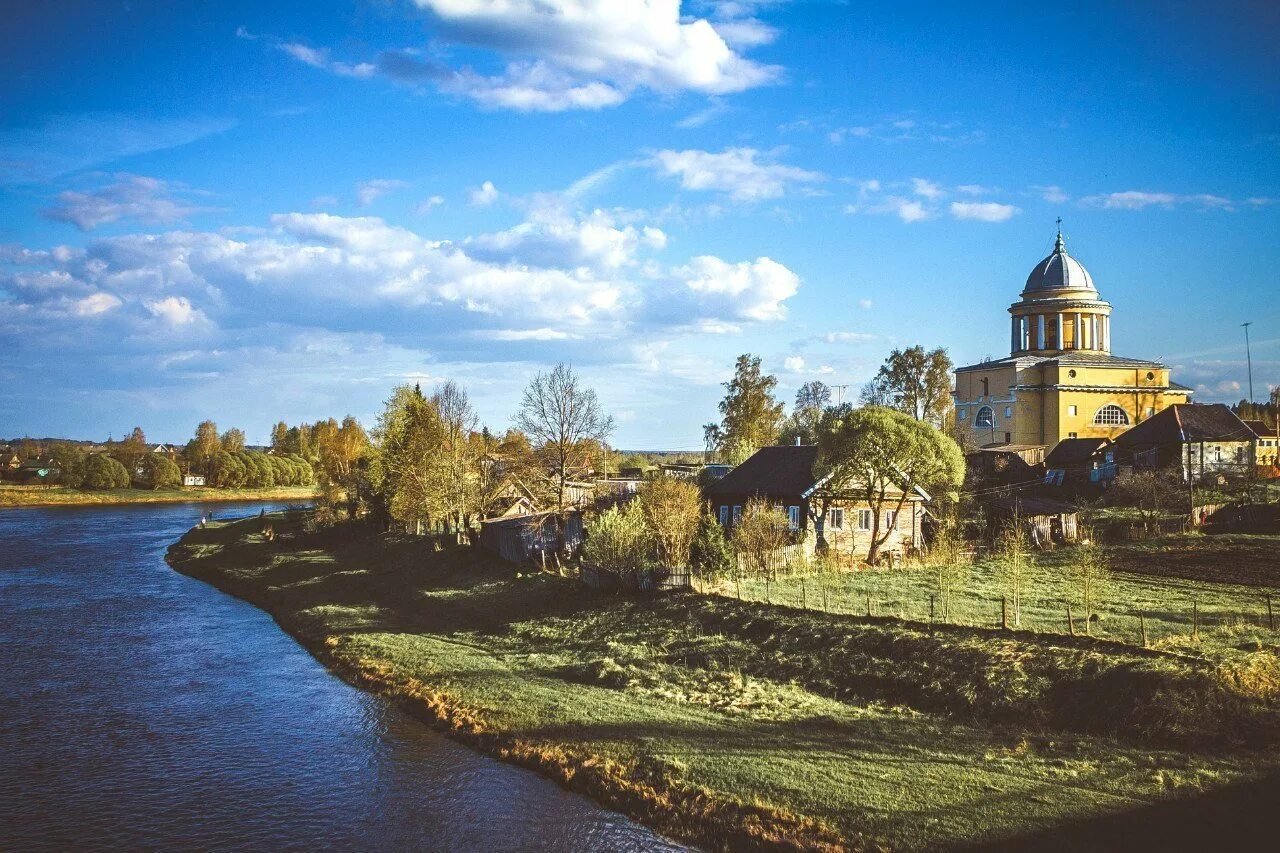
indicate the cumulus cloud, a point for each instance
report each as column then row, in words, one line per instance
column 983, row 211
column 927, row 189
column 429, row 204
column 751, row 290
column 794, row 363
column 573, row 54
column 95, row 304
column 367, row 192
column 1053, row 194
column 129, row 197
column 738, row 172
column 484, row 195
column 1140, row 200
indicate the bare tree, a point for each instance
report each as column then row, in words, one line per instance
column 565, row 422
column 671, row 508
column 758, row 536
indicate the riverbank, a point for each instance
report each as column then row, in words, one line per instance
column 24, row 496
column 747, row 726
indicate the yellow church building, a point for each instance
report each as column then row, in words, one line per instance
column 1060, row 379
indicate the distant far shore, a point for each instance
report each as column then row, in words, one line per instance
column 12, row 496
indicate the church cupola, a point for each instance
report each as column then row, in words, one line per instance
column 1060, row 310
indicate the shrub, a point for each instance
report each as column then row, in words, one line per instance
column 619, row 540
column 671, row 508
column 158, row 472
column 710, row 553
column 103, row 472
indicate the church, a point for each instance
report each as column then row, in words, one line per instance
column 1060, row 380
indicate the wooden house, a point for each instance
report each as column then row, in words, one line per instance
column 1078, row 462
column 1199, row 441
column 1046, row 522
column 783, row 475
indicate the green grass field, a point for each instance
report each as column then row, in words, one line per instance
column 14, row 496
column 739, row 725
column 1223, row 582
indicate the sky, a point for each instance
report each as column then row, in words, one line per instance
column 253, row 211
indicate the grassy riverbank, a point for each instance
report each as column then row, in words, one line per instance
column 742, row 725
column 15, row 496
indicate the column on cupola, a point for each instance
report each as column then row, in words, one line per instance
column 1057, row 342
column 1106, row 333
column 1039, row 331
column 1013, row 334
column 1093, row 332
column 1075, row 343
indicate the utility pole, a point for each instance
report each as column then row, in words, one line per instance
column 839, row 389
column 1248, row 357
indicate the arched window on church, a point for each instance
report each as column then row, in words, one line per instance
column 1111, row 415
column 986, row 419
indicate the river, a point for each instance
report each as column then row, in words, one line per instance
column 142, row 709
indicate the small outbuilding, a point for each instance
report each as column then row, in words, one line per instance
column 1046, row 521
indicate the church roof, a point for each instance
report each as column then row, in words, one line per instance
column 1080, row 358
column 1059, row 271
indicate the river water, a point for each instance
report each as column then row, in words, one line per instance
column 142, row 709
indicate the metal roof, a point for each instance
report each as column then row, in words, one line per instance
column 1059, row 271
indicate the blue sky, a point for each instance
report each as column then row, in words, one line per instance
column 252, row 212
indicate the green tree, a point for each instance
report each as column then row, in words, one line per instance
column 879, row 456
column 339, row 450
column 158, row 472
column 132, row 450
column 806, row 416
column 1090, row 574
column 103, row 472
column 204, row 447
column 226, row 471
column 1013, row 562
column 750, row 416
column 710, row 553
column 407, row 471
column 758, row 536
column 914, row 382
column 70, row 461
column 280, row 437
column 566, row 424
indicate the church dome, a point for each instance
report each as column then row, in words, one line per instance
column 1059, row 271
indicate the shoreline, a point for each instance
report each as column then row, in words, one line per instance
column 435, row 632
column 119, row 497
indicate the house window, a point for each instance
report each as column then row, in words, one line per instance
column 1073, row 435
column 737, row 514
column 864, row 519
column 964, row 414
column 1071, row 410
column 1008, row 411
column 986, row 418
column 724, row 515
column 793, row 517
column 837, row 518
column 1071, row 374
column 890, row 519
column 1111, row 415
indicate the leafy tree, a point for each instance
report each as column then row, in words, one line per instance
column 233, row 440
column 879, row 455
column 671, row 508
column 70, row 460
column 806, row 415
column 914, row 382
column 566, row 424
column 407, row 471
column 750, row 416
column 339, row 449
column 132, row 450
column 948, row 568
column 813, row 395
column 204, row 447
column 226, row 471
column 280, row 437
column 158, row 472
column 460, row 452
column 103, row 472
column 1014, row 566
column 619, row 540
column 762, row 531
column 710, row 553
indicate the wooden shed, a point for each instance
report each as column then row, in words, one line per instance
column 1046, row 521
column 521, row 538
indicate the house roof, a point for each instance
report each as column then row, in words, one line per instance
column 1261, row 428
column 1073, row 451
column 782, row 470
column 1025, row 506
column 1187, row 422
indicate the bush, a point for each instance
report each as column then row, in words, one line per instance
column 227, row 472
column 158, row 472
column 103, row 472
column 711, row 554
column 619, row 540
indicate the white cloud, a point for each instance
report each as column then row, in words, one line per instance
column 983, row 211
column 429, row 204
column 1140, row 200
column 850, row 337
column 1053, row 194
column 95, row 304
column 174, row 310
column 484, row 195
column 864, row 304
column 794, row 363
column 927, row 189
column 909, row 211
column 735, row 171
column 573, row 54
column 750, row 290
column 367, row 192
column 130, row 197
column 319, row 58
